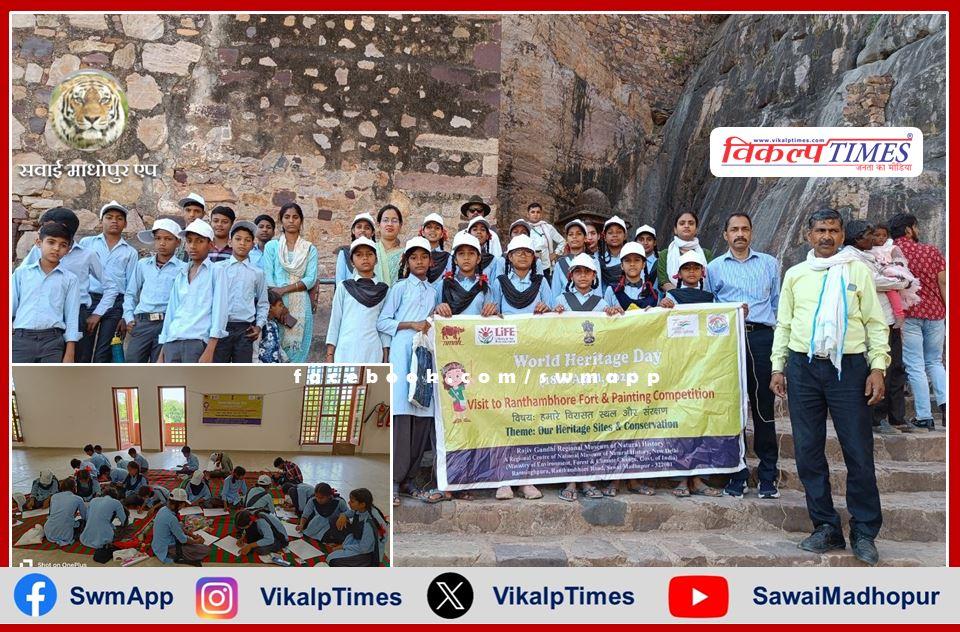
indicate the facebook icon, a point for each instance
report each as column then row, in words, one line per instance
column 35, row 595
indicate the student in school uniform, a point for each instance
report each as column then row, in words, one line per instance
column 139, row 459
column 363, row 226
column 463, row 288
column 118, row 259
column 690, row 291
column 99, row 530
column 120, row 462
column 490, row 263
column 611, row 241
column 635, row 289
column 319, row 518
column 233, row 490
column 299, row 494
column 259, row 498
column 365, row 527
column 132, row 484
column 266, row 227
column 583, row 295
column 522, row 227
column 352, row 334
column 42, row 490
column 433, row 230
column 77, row 466
column 153, row 496
column 646, row 236
column 408, row 304
column 289, row 472
column 261, row 533
column 148, row 291
column 87, row 485
column 192, row 208
column 196, row 315
column 576, row 234
column 198, row 491
column 192, row 464
column 63, row 526
column 95, row 457
column 46, row 302
column 246, row 297
column 476, row 207
column 170, row 543
column 111, row 475
column 221, row 220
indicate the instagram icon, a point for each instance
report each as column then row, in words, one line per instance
column 217, row 598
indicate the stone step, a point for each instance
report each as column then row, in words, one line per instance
column 892, row 476
column 686, row 548
column 914, row 446
column 919, row 516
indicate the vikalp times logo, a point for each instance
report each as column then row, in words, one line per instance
column 217, row 598
column 495, row 334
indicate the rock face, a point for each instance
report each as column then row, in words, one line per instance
column 803, row 70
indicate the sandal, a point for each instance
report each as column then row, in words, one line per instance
column 434, row 496
column 568, row 495
column 643, row 489
column 592, row 492
column 681, row 490
column 706, row 490
column 396, row 500
column 464, row 495
column 410, row 490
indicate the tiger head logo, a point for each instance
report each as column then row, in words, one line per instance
column 88, row 110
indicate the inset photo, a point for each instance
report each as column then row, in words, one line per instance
column 198, row 466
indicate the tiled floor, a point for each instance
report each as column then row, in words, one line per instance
column 341, row 472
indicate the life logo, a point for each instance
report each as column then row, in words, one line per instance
column 217, row 598
column 495, row 335
column 35, row 595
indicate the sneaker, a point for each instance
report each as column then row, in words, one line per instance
column 825, row 538
column 923, row 424
column 884, row 428
column 768, row 489
column 735, row 488
column 864, row 549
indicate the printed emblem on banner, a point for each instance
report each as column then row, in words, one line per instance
column 718, row 325
column 450, row 335
column 588, row 337
column 683, row 326
column 495, row 335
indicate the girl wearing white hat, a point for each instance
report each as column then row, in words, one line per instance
column 646, row 236
column 352, row 334
column 362, row 226
column 432, row 230
column 634, row 290
column 611, row 241
column 576, row 243
column 490, row 261
column 522, row 289
column 463, row 289
column 42, row 489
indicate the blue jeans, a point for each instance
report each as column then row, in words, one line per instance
column 923, row 358
column 812, row 390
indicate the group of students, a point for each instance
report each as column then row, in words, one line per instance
column 223, row 291
column 93, row 505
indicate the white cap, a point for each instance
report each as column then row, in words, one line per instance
column 520, row 242
column 615, row 220
column 416, row 242
column 692, row 256
column 193, row 198
column 244, row 224
column 264, row 480
column 46, row 477
column 164, row 223
column 519, row 222
column 363, row 217
column 583, row 260
column 179, row 494
column 363, row 241
column 197, row 477
column 632, row 248
column 465, row 239
column 646, row 228
column 199, row 227
column 479, row 219
column 575, row 222
column 432, row 217
column 113, row 205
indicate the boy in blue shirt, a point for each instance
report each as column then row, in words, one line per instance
column 148, row 291
column 170, row 543
column 118, row 259
column 196, row 315
column 95, row 457
column 246, row 300
column 266, row 227
column 192, row 207
column 192, row 464
column 46, row 302
column 139, row 459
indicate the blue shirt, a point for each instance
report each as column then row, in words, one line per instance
column 148, row 289
column 64, row 507
column 247, row 294
column 85, row 265
column 355, row 326
column 265, row 502
column 558, row 282
column 98, row 532
column 117, row 262
column 317, row 525
column 203, row 494
column 234, row 489
column 132, row 485
column 353, row 546
column 197, row 310
column 142, row 462
column 754, row 281
column 602, row 305
column 544, row 295
column 99, row 461
column 39, row 493
column 476, row 305
column 192, row 464
column 632, row 291
column 266, row 533
column 44, row 301
column 166, row 533
column 160, row 496
column 303, row 493
column 92, row 492
column 118, row 475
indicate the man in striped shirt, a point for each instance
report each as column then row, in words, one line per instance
column 743, row 275
column 289, row 472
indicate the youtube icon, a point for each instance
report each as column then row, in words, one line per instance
column 698, row 596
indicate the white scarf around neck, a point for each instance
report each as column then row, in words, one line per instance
column 830, row 318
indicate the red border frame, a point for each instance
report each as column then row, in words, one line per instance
column 693, row 6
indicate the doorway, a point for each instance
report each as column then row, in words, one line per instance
column 173, row 416
column 126, row 416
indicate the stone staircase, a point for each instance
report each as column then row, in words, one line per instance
column 660, row 530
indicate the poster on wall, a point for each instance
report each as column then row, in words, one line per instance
column 232, row 408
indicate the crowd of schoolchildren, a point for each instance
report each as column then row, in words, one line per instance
column 93, row 504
